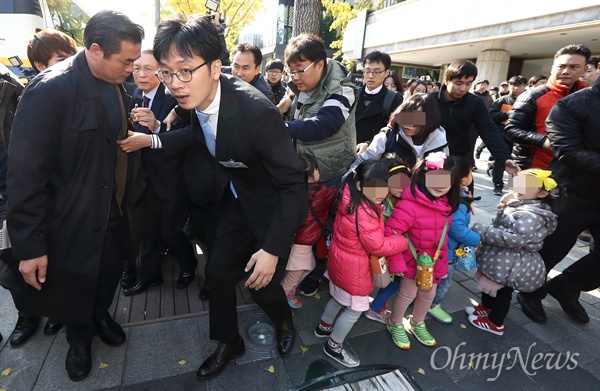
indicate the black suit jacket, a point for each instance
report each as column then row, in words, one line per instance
column 370, row 119
column 165, row 171
column 271, row 188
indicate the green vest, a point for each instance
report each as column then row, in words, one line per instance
column 336, row 153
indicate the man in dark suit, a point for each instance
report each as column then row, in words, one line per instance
column 163, row 208
column 239, row 155
column 68, row 183
column 375, row 102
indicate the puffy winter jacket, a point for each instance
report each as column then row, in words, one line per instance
column 348, row 260
column 526, row 122
column 459, row 232
column 424, row 221
column 320, row 197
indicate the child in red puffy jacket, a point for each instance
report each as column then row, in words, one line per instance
column 302, row 260
column 358, row 234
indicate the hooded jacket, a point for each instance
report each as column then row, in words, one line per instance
column 320, row 196
column 348, row 260
column 423, row 220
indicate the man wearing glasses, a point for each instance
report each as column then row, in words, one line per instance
column 161, row 213
column 375, row 101
column 239, row 158
column 274, row 77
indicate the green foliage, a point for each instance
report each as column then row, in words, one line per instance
column 68, row 18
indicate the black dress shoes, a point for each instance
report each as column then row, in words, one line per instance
column 127, row 277
column 140, row 287
column 79, row 361
column 52, row 328
column 286, row 335
column 532, row 307
column 568, row 300
column 217, row 361
column 110, row 331
column 185, row 279
column 24, row 329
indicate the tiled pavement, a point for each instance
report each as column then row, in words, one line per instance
column 164, row 355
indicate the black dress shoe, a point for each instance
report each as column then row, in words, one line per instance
column 79, row 361
column 218, row 360
column 52, row 328
column 569, row 303
column 140, row 287
column 185, row 279
column 532, row 307
column 127, row 277
column 24, row 329
column 205, row 291
column 286, row 335
column 110, row 331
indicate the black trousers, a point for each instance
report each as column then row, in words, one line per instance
column 584, row 274
column 500, row 305
column 111, row 266
column 498, row 170
column 164, row 221
column 234, row 240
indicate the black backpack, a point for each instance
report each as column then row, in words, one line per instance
column 10, row 91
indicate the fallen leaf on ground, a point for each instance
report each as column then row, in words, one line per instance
column 6, row 372
column 421, row 371
column 182, row 362
column 102, row 365
column 462, row 326
column 317, row 296
column 271, row 369
column 304, row 350
column 3, row 389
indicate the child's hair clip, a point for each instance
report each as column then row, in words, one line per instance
column 435, row 160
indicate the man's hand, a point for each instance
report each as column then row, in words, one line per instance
column 547, row 144
column 511, row 167
column 361, row 148
column 284, row 105
column 171, row 120
column 34, row 271
column 264, row 267
column 146, row 118
column 135, row 141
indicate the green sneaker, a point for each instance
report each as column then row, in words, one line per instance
column 439, row 315
column 399, row 335
column 420, row 332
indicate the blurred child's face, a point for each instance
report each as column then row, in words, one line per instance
column 411, row 121
column 314, row 178
column 525, row 187
column 397, row 183
column 374, row 190
column 438, row 182
column 466, row 181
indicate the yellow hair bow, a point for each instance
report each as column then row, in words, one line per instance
column 543, row 176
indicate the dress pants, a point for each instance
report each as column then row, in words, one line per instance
column 234, row 240
column 583, row 275
column 164, row 221
column 111, row 266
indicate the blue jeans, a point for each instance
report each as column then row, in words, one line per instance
column 443, row 286
column 385, row 294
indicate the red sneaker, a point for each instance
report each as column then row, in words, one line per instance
column 478, row 310
column 483, row 323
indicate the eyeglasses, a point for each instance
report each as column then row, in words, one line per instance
column 137, row 70
column 301, row 72
column 184, row 75
column 274, row 71
column 374, row 73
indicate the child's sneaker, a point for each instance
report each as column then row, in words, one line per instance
column 381, row 317
column 343, row 356
column 478, row 310
column 420, row 332
column 321, row 332
column 438, row 314
column 399, row 335
column 293, row 300
column 483, row 323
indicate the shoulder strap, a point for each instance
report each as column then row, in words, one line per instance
column 390, row 139
column 437, row 252
column 317, row 219
column 387, row 101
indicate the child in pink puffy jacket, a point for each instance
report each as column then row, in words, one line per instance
column 358, row 233
column 425, row 209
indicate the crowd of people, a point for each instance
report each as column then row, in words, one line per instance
column 285, row 184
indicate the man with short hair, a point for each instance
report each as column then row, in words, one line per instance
column 499, row 112
column 481, row 90
column 49, row 47
column 68, row 182
column 239, row 158
column 494, row 93
column 526, row 121
column 375, row 102
column 504, row 88
column 274, row 75
column 247, row 59
column 592, row 72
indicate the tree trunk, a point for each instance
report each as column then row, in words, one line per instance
column 307, row 17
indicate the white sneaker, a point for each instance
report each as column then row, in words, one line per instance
column 344, row 357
